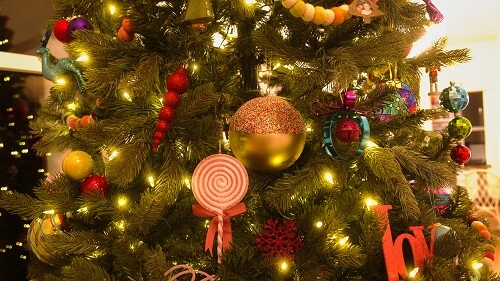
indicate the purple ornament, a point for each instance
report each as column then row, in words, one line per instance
column 79, row 23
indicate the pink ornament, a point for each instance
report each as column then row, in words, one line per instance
column 219, row 184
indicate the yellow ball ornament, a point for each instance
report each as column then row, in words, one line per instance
column 267, row 134
column 298, row 9
column 78, row 165
column 319, row 15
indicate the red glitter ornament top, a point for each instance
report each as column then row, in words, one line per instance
column 279, row 239
column 268, row 115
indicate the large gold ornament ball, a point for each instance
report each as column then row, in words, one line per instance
column 37, row 236
column 78, row 165
column 267, row 134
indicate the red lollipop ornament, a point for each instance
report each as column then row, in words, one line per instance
column 219, row 183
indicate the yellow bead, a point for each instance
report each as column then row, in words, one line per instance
column 298, row 9
column 319, row 15
column 288, row 3
column 78, row 165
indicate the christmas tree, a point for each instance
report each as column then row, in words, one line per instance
column 20, row 166
column 249, row 140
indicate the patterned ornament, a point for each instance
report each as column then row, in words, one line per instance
column 95, row 183
column 460, row 154
column 38, row 232
column 454, row 98
column 219, row 183
column 400, row 100
column 442, row 201
column 459, row 127
column 78, row 165
column 177, row 84
column 279, row 239
column 267, row 134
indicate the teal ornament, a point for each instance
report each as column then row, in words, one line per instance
column 459, row 127
column 454, row 98
column 63, row 67
column 329, row 133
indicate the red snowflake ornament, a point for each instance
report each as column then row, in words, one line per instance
column 279, row 239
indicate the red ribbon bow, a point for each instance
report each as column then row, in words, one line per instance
column 227, row 236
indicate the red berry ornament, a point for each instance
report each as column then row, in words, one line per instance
column 162, row 126
column 171, row 98
column 166, row 113
column 95, row 183
column 178, row 82
column 460, row 154
column 347, row 130
column 125, row 36
column 127, row 25
column 61, row 31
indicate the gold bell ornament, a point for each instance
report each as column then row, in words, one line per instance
column 199, row 13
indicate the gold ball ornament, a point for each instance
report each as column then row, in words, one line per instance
column 38, row 232
column 78, row 165
column 267, row 134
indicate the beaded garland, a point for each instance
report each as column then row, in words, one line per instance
column 328, row 16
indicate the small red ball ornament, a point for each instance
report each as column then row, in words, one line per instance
column 460, row 154
column 162, row 126
column 127, row 25
column 178, row 82
column 166, row 113
column 125, row 36
column 61, row 31
column 95, row 183
column 159, row 135
column 171, row 99
column 347, row 130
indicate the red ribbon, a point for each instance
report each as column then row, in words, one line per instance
column 227, row 236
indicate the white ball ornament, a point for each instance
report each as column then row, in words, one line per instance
column 309, row 13
column 288, row 3
column 330, row 16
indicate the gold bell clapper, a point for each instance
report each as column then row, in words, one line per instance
column 199, row 13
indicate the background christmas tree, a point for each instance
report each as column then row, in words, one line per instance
column 20, row 165
column 152, row 90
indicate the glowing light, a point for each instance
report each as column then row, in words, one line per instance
column 250, row 2
column 4, row 188
column 413, row 273
column 276, row 66
column 284, row 266
column 41, row 170
column 22, row 143
column 219, row 41
column 26, row 225
column 1, row 145
column 61, row 81
column 112, row 9
column 122, row 201
column 12, row 124
column 49, row 212
column 151, row 181
column 120, row 225
column 343, row 241
column 48, row 154
column 24, row 151
column 113, row 155
column 23, row 257
column 187, row 182
column 6, row 78
column 127, row 96
column 309, row 128
column 82, row 210
column 20, row 244
column 319, row 224
column 14, row 153
column 207, row 223
column 477, row 265
column 329, row 177
column 195, row 67
column 83, row 58
column 369, row 202
column 371, row 144
column 30, row 117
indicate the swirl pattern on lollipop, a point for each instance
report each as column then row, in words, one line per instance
column 219, row 182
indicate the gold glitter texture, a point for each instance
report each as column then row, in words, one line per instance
column 268, row 115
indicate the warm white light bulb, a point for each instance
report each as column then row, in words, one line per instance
column 319, row 224
column 413, row 273
column 343, row 241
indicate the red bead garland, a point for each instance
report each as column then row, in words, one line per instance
column 177, row 84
